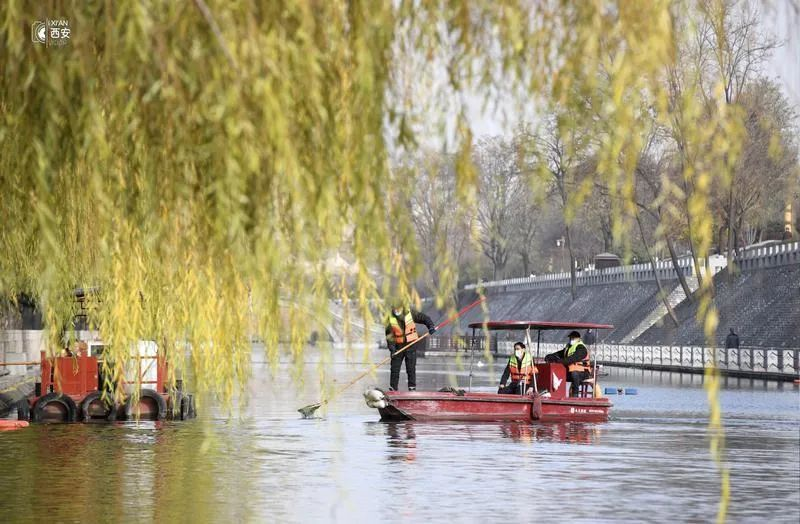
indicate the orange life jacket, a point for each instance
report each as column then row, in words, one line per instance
column 581, row 365
column 523, row 371
column 399, row 335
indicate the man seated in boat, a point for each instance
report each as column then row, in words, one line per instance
column 575, row 357
column 520, row 369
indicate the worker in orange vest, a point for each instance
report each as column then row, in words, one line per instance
column 575, row 357
column 520, row 369
column 401, row 330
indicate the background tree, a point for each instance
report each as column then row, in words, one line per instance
column 559, row 148
column 500, row 180
column 736, row 48
column 768, row 159
column 526, row 226
column 443, row 232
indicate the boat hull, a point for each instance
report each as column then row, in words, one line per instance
column 485, row 407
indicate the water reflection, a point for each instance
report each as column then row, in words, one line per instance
column 402, row 437
column 401, row 441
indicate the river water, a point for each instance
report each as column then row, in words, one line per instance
column 650, row 462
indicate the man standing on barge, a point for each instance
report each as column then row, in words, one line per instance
column 401, row 330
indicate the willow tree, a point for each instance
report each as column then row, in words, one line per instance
column 188, row 159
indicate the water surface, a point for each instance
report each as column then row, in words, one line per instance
column 650, row 462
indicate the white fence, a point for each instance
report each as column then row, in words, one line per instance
column 746, row 360
column 588, row 277
column 770, row 256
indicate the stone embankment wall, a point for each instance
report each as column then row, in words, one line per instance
column 762, row 305
column 762, row 302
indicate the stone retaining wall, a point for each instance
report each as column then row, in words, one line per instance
column 20, row 345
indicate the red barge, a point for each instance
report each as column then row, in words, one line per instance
column 71, row 389
column 547, row 401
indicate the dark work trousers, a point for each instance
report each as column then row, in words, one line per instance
column 576, row 377
column 411, row 368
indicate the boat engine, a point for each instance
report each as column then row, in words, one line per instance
column 375, row 398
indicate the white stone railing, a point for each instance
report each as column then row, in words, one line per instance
column 751, row 360
column 611, row 275
column 769, row 256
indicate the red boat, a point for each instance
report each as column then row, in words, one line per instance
column 547, row 401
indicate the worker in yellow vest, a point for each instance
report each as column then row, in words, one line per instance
column 520, row 370
column 401, row 330
column 575, row 357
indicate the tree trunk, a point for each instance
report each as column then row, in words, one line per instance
column 573, row 277
column 690, row 230
column 526, row 263
column 720, row 238
column 738, row 234
column 731, row 263
column 678, row 268
column 693, row 252
column 695, row 263
column 608, row 236
column 664, row 296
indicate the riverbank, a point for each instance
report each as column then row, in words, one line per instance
column 14, row 388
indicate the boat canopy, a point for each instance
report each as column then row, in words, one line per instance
column 498, row 325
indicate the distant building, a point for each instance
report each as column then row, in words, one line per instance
column 606, row 260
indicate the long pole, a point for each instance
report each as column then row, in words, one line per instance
column 529, row 344
column 308, row 411
column 471, row 358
